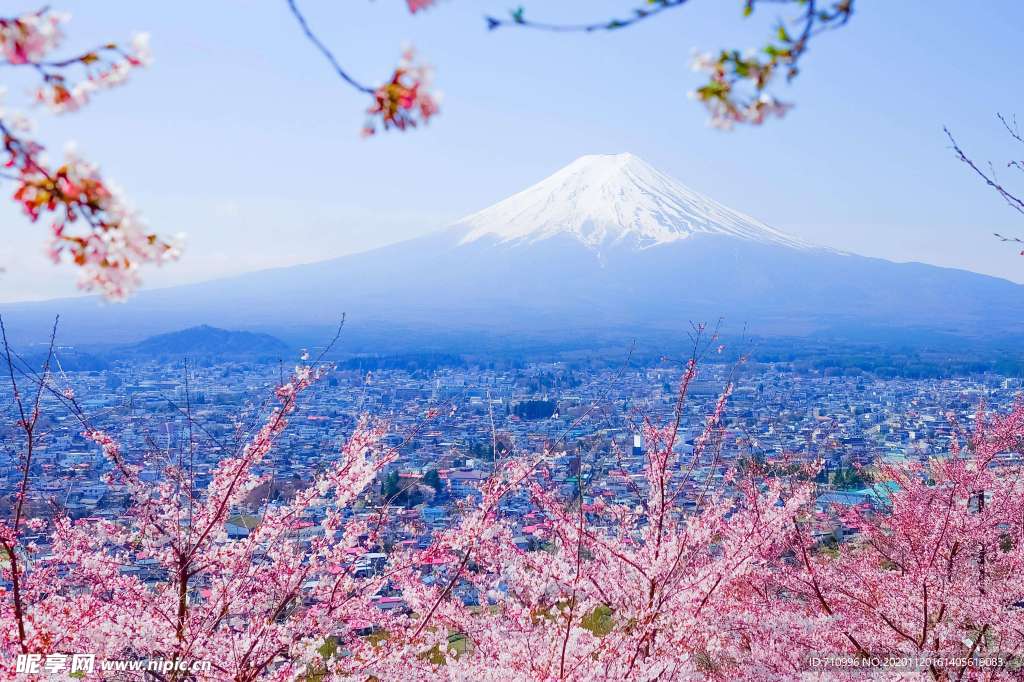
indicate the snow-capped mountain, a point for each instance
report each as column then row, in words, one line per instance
column 607, row 245
column 613, row 200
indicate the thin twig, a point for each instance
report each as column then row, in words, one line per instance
column 325, row 51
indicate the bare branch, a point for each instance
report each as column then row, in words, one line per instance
column 325, row 51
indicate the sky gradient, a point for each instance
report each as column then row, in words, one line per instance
column 240, row 135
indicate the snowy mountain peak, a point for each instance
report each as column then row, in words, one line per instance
column 605, row 200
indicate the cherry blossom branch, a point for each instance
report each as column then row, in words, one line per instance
column 113, row 242
column 9, row 536
column 401, row 103
column 724, row 96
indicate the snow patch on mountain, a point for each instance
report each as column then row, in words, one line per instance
column 613, row 200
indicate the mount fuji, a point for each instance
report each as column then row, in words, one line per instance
column 606, row 245
column 613, row 201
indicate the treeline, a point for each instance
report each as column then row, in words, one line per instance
column 911, row 366
column 534, row 409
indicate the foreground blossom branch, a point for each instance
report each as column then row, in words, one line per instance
column 934, row 571
column 617, row 591
column 92, row 226
column 404, row 101
column 264, row 606
column 15, row 551
column 737, row 91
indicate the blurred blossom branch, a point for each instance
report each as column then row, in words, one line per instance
column 737, row 90
column 404, row 101
column 92, row 225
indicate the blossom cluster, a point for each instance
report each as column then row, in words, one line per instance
column 29, row 38
column 104, row 68
column 257, row 608
column 937, row 573
column 418, row 5
column 92, row 225
column 736, row 91
column 406, row 100
column 721, row 94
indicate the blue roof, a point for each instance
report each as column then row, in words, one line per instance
column 880, row 491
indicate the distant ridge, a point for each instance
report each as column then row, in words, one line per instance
column 207, row 340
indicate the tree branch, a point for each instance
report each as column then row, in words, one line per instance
column 325, row 51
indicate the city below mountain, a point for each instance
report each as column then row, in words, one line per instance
column 608, row 247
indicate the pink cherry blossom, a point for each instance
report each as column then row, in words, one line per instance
column 935, row 573
column 93, row 227
column 417, row 5
column 406, row 100
column 31, row 37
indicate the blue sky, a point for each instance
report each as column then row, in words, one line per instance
column 241, row 137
